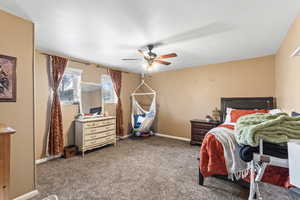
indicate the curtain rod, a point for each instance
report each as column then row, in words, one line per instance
column 68, row 57
column 79, row 61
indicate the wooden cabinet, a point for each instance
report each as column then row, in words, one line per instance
column 5, row 133
column 94, row 133
column 199, row 128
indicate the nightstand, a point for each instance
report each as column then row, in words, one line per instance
column 199, row 128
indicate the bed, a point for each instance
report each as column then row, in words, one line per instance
column 212, row 162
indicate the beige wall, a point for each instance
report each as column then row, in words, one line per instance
column 287, row 70
column 194, row 92
column 16, row 39
column 129, row 82
column 90, row 74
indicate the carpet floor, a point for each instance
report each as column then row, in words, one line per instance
column 153, row 168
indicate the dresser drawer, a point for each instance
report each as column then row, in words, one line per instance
column 99, row 141
column 99, row 123
column 199, row 128
column 198, row 136
column 99, row 135
column 202, row 126
column 94, row 134
column 200, row 131
column 88, row 131
column 197, row 139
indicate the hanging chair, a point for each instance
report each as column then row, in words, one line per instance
column 142, row 119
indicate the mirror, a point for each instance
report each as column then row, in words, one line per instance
column 91, row 100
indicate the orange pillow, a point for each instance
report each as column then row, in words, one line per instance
column 236, row 114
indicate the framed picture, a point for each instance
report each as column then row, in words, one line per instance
column 8, row 79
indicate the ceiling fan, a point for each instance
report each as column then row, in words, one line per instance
column 201, row 32
column 152, row 57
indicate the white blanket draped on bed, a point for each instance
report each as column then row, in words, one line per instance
column 235, row 166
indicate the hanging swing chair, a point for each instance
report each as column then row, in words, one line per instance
column 142, row 119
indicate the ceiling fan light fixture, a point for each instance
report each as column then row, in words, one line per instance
column 153, row 65
column 145, row 66
column 149, row 69
column 152, row 59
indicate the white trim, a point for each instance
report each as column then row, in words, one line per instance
column 296, row 52
column 43, row 160
column 75, row 70
column 28, row 195
column 173, row 137
column 124, row 137
column 91, row 83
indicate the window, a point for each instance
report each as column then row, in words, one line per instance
column 69, row 88
column 108, row 91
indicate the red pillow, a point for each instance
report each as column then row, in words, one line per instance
column 236, row 114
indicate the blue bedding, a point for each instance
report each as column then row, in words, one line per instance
column 138, row 118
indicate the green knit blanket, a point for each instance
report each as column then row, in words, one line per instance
column 276, row 128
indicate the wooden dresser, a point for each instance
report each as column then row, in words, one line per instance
column 199, row 130
column 95, row 132
column 5, row 133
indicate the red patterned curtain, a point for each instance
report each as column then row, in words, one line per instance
column 55, row 138
column 116, row 77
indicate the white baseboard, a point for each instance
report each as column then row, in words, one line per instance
column 43, row 160
column 173, row 137
column 28, row 195
column 124, row 137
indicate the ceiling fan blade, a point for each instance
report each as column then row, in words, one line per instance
column 125, row 59
column 140, row 51
column 162, row 62
column 171, row 55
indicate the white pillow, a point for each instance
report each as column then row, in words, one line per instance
column 228, row 116
column 275, row 111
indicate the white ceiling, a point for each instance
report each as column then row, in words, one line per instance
column 105, row 31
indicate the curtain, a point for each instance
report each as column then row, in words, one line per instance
column 55, row 136
column 116, row 77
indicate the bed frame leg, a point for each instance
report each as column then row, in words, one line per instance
column 201, row 178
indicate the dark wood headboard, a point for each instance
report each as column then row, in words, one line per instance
column 246, row 103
